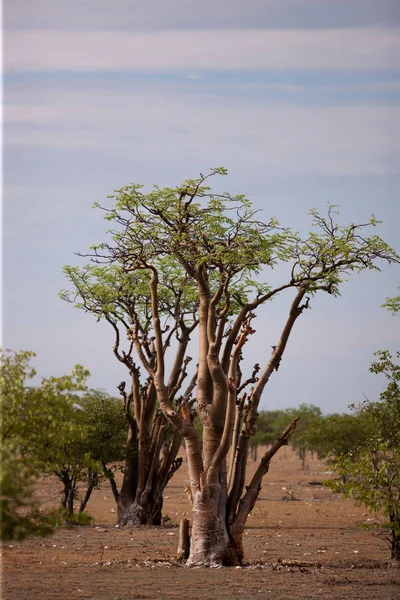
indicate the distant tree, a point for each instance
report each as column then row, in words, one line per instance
column 183, row 259
column 337, row 435
column 370, row 472
column 268, row 426
column 307, row 413
column 90, row 439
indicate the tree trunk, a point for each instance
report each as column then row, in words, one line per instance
column 150, row 463
column 302, row 456
column 69, row 491
column 395, row 546
column 184, row 540
column 395, row 536
column 217, row 530
column 209, row 542
column 131, row 513
column 93, row 481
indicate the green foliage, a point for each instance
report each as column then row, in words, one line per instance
column 307, row 413
column 93, row 437
column 182, row 230
column 393, row 304
column 20, row 514
column 81, row 518
column 268, row 423
column 107, row 427
column 184, row 220
column 333, row 436
column 58, row 427
column 370, row 471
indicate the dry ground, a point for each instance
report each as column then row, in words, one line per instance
column 318, row 529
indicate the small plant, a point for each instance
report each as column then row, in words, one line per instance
column 80, row 518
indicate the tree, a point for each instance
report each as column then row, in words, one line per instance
column 82, row 437
column 55, row 428
column 212, row 249
column 335, row 436
column 307, row 413
column 96, row 443
column 20, row 514
column 121, row 298
column 370, row 472
column 266, row 430
column 56, row 436
column 105, row 442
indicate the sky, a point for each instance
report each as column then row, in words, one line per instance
column 299, row 99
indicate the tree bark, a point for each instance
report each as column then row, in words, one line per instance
column 145, row 508
column 184, row 540
column 93, row 480
column 209, row 542
column 69, row 491
column 133, row 514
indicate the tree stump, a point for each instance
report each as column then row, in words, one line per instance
column 184, row 540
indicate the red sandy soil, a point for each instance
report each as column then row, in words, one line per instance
column 306, row 548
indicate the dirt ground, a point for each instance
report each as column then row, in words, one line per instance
column 305, row 548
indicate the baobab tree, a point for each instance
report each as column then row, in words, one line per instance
column 214, row 249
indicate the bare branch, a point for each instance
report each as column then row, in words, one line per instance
column 247, row 502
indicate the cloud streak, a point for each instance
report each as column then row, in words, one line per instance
column 287, row 139
column 210, row 50
column 140, row 15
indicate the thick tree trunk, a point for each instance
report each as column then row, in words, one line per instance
column 218, row 526
column 132, row 513
column 209, row 542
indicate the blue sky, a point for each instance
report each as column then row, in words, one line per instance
column 299, row 99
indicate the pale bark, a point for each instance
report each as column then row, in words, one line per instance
column 209, row 540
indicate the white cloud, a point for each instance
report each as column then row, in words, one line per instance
column 241, row 49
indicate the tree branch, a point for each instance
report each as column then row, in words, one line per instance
column 247, row 502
